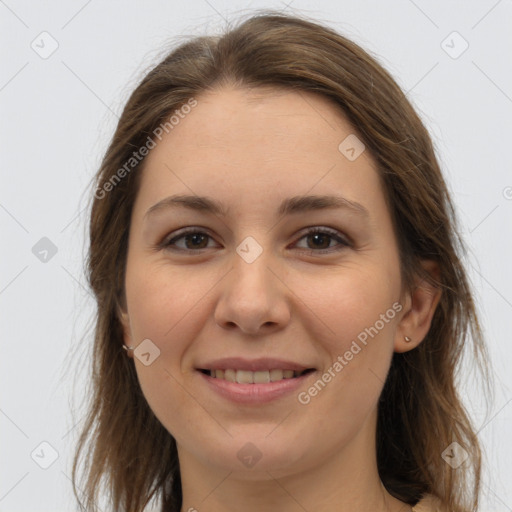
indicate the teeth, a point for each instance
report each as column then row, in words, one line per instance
column 261, row 377
column 248, row 377
column 244, row 377
column 276, row 375
column 230, row 375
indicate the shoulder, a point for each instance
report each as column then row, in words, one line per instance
column 428, row 503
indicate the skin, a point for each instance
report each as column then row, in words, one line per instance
column 251, row 149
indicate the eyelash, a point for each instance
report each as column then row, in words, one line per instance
column 333, row 234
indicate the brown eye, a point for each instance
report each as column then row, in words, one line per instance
column 190, row 241
column 319, row 240
column 196, row 240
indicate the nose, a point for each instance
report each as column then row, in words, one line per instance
column 253, row 297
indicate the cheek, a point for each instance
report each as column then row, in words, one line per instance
column 358, row 311
column 350, row 303
column 167, row 307
column 161, row 303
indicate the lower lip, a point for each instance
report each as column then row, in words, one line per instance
column 255, row 393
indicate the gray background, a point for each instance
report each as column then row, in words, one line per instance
column 58, row 112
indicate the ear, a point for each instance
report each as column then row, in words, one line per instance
column 419, row 309
column 124, row 319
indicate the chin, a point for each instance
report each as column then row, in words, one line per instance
column 254, row 456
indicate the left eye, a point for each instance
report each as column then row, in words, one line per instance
column 320, row 238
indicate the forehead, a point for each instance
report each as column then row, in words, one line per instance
column 239, row 144
column 276, row 117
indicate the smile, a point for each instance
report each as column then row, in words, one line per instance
column 254, row 388
column 259, row 377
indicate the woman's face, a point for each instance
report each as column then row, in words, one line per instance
column 278, row 277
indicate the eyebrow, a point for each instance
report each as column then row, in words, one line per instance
column 292, row 205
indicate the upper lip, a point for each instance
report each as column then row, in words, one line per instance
column 253, row 365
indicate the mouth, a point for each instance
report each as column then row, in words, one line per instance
column 256, row 377
column 254, row 388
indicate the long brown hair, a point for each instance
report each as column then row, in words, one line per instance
column 420, row 412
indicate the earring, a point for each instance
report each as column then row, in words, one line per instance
column 407, row 339
column 128, row 348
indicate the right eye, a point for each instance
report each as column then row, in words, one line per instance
column 193, row 239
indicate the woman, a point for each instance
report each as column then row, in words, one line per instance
column 281, row 301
